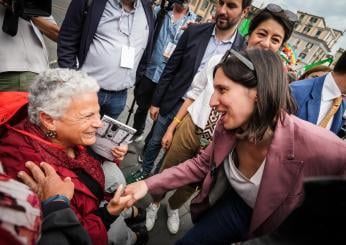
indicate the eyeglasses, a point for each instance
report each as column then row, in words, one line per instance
column 274, row 8
column 240, row 57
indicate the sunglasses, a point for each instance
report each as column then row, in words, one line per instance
column 240, row 57
column 277, row 9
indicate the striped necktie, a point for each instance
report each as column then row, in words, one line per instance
column 335, row 106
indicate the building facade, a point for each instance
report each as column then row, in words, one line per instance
column 204, row 9
column 312, row 39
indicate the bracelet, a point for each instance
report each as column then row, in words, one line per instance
column 177, row 120
column 57, row 198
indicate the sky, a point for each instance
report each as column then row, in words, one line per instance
column 333, row 12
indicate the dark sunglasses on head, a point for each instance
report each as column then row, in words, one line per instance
column 240, row 57
column 274, row 8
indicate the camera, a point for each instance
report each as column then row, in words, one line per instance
column 29, row 8
column 24, row 9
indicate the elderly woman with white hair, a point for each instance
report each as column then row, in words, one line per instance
column 58, row 125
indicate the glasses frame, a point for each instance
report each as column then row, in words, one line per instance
column 240, row 57
column 274, row 8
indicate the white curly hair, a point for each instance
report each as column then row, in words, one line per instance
column 52, row 91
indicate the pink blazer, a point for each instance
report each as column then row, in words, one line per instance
column 299, row 149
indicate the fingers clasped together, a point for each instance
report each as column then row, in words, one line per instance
column 125, row 198
column 45, row 182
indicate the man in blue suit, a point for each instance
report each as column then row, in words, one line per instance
column 316, row 97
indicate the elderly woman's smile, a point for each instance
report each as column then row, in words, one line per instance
column 80, row 121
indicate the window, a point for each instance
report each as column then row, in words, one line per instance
column 306, row 29
column 205, row 4
column 313, row 20
column 318, row 33
column 309, row 45
column 302, row 55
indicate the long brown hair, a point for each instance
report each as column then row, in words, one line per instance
column 273, row 93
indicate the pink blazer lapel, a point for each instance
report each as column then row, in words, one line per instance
column 280, row 176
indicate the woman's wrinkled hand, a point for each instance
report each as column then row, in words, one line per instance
column 119, row 152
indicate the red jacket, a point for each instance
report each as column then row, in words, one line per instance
column 15, row 150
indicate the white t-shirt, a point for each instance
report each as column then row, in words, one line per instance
column 246, row 188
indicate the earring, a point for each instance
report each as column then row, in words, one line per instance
column 51, row 134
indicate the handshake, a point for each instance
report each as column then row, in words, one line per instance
column 46, row 183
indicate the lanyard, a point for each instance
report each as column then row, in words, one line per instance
column 183, row 22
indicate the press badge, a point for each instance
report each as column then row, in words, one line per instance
column 169, row 50
column 127, row 57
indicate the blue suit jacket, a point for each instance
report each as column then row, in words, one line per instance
column 307, row 94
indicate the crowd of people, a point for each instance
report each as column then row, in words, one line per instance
column 237, row 133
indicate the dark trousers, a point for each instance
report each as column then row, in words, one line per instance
column 228, row 221
column 112, row 103
column 144, row 91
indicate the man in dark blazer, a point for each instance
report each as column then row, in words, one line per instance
column 315, row 97
column 195, row 47
column 111, row 41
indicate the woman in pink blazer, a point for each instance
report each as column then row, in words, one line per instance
column 252, row 174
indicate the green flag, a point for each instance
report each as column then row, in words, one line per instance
column 244, row 27
column 320, row 62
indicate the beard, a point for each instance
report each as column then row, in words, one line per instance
column 224, row 23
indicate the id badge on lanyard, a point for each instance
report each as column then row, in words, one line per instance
column 169, row 50
column 127, row 57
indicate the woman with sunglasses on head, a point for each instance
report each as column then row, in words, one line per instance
column 269, row 29
column 252, row 172
column 194, row 123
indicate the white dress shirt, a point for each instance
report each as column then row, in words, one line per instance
column 201, row 90
column 330, row 91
